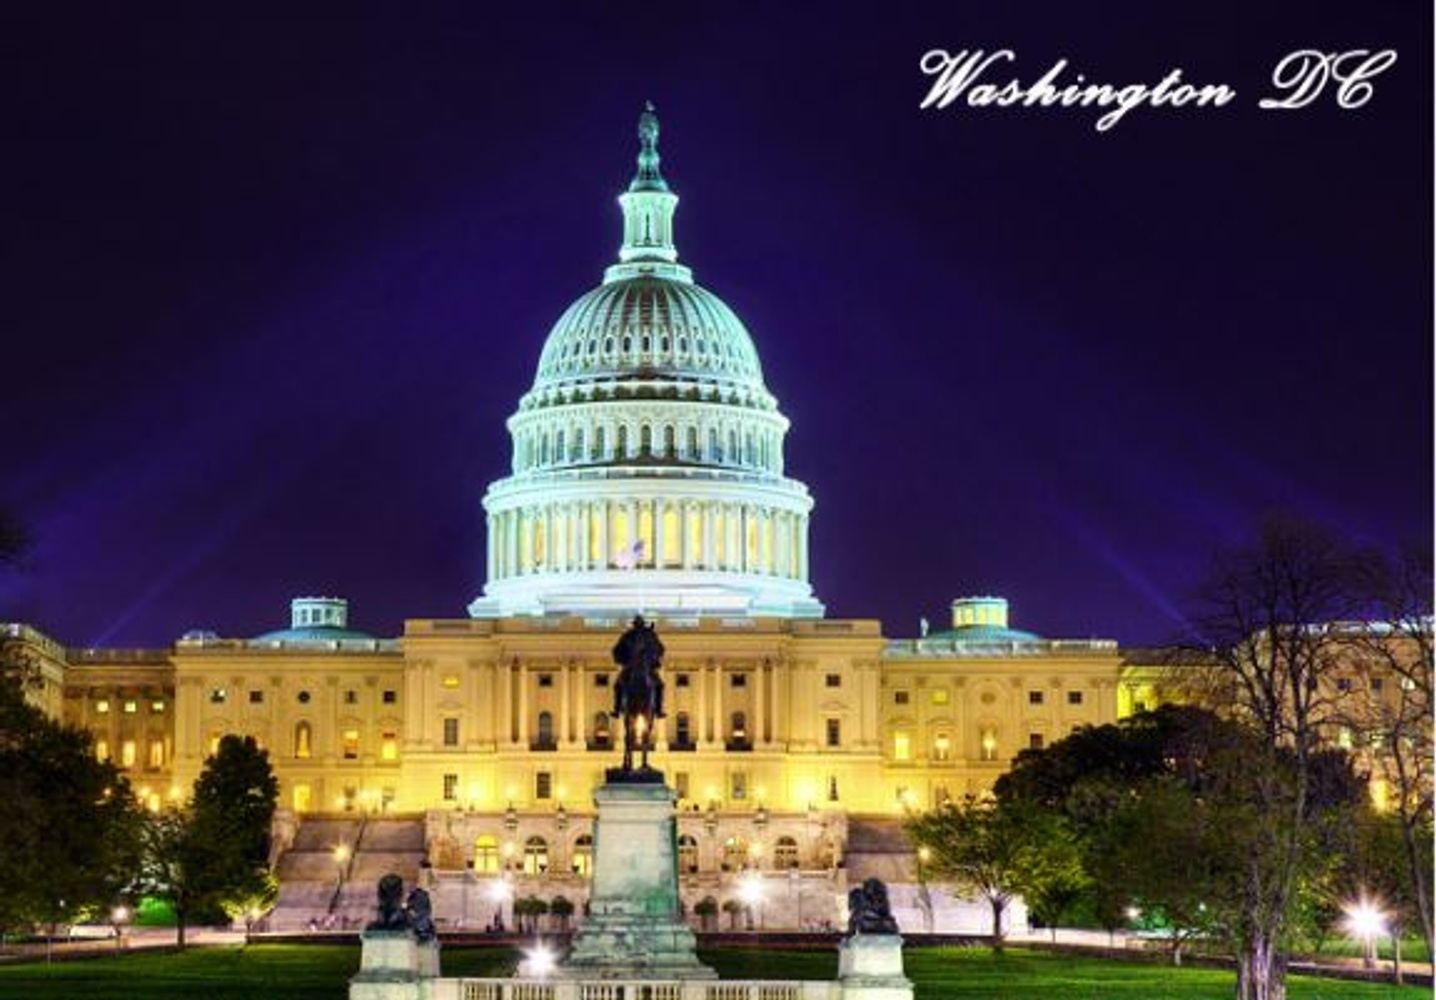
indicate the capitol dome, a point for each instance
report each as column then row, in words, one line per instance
column 647, row 468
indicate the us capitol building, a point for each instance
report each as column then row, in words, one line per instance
column 647, row 475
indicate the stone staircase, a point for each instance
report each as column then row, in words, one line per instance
column 313, row 888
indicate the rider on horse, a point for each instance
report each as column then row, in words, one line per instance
column 638, row 692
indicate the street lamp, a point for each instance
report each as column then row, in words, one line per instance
column 499, row 892
column 1366, row 922
column 118, row 916
column 538, row 961
column 341, row 858
column 924, row 896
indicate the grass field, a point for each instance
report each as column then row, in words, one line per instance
column 312, row 972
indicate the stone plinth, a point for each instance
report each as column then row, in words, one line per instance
column 634, row 928
column 870, row 968
column 390, row 965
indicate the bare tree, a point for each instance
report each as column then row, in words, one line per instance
column 1270, row 619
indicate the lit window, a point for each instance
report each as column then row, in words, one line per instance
column 834, row 732
column 583, row 855
column 157, row 753
column 102, row 749
column 687, row 854
column 451, row 680
column 451, row 732
column 535, row 856
column 941, row 696
column 833, row 680
column 988, row 744
column 942, row 747
column 1344, row 738
column 680, row 783
column 389, row 746
column 902, row 745
column 486, row 854
column 214, row 739
column 451, row 787
column 102, row 707
column 1074, row 697
column 157, row 706
column 900, row 697
column 1035, row 698
column 302, row 736
column 131, row 707
column 351, row 744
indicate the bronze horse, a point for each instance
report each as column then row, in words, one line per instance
column 638, row 691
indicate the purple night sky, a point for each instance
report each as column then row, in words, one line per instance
column 273, row 286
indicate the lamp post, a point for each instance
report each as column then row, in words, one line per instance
column 750, row 891
column 118, row 916
column 924, row 897
column 1366, row 922
column 499, row 892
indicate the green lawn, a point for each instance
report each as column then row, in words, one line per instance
column 321, row 971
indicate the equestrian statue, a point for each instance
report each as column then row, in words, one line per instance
column 638, row 692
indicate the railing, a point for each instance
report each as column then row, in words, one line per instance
column 607, row 989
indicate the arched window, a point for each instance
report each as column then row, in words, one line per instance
column 682, row 730
column 692, row 451
column 600, row 441
column 942, row 747
column 583, row 856
column 785, row 853
column 543, row 449
column 987, row 743
column 303, row 737
column 668, row 441
column 621, row 447
column 545, row 728
column 733, row 455
column 713, row 452
column 739, row 725
column 558, row 447
column 687, row 854
column 535, row 856
column 578, row 443
column 735, row 854
column 645, row 441
column 486, row 855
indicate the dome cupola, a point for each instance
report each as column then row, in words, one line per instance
column 647, row 467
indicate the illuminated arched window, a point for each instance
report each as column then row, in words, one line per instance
column 735, row 853
column 303, row 735
column 687, row 854
column 987, row 743
column 583, row 856
column 486, row 854
column 785, row 853
column 535, row 856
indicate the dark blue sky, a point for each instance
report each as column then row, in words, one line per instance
column 274, row 284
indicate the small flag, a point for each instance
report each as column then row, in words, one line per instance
column 630, row 555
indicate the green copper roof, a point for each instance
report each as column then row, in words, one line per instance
column 984, row 634
column 312, row 633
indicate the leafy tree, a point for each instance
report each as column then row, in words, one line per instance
column 706, row 909
column 249, row 906
column 997, row 850
column 562, row 909
column 71, row 823
column 214, row 852
column 733, row 908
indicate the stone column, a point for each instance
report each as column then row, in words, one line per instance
column 718, row 703
column 565, row 674
column 605, row 555
column 708, row 560
column 523, row 704
column 506, row 703
column 700, row 723
column 760, row 721
column 660, row 544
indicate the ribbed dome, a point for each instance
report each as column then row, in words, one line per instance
column 649, row 327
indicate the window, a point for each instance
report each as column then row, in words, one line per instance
column 583, row 855
column 350, row 739
column 545, row 680
column 351, row 697
column 785, row 853
column 940, row 696
column 102, row 707
column 451, row 787
column 1343, row 684
column 157, row 753
column 1034, row 741
column 157, row 706
column 388, row 745
column 680, row 783
column 738, row 786
column 942, row 747
column 545, row 729
column 1074, row 697
column 902, row 745
column 535, row 856
column 1377, row 684
column 738, row 680
column 131, row 707
column 486, row 854
column 304, row 697
column 390, row 696
column 833, row 680
column 451, row 732
column 450, row 681
column 987, row 743
column 834, row 732
column 687, row 854
column 1035, row 697
column 735, row 853
column 102, row 749
column 681, row 680
column 832, row 788
column 217, row 696
column 127, row 753
column 901, row 697
column 1344, row 738
column 543, row 785
column 303, row 734
column 739, row 726
column 600, row 729
column 601, row 680
column 256, row 697
column 682, row 730
column 1139, row 706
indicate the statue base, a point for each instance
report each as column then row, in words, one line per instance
column 391, row 963
column 634, row 929
column 870, row 968
column 637, row 776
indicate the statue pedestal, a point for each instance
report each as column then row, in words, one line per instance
column 870, row 968
column 634, row 929
column 391, row 964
